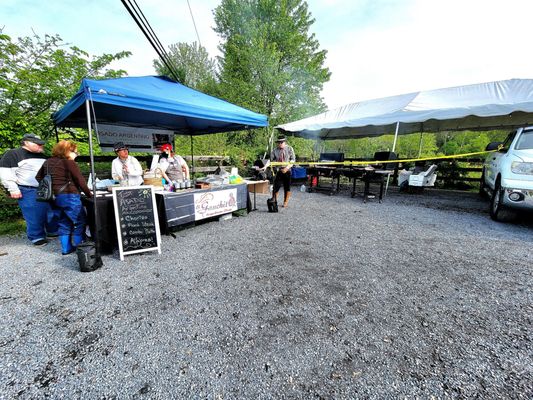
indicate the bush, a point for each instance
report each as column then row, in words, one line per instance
column 451, row 171
column 9, row 209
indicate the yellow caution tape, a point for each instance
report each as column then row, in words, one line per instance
column 351, row 163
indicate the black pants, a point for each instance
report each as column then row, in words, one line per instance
column 282, row 179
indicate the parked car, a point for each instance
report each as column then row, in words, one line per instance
column 508, row 175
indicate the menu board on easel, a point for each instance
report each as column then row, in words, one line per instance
column 136, row 220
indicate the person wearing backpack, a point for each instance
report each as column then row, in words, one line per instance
column 67, row 181
column 18, row 168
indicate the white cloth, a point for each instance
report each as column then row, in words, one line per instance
column 135, row 171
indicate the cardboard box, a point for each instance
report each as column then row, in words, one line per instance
column 259, row 187
column 202, row 185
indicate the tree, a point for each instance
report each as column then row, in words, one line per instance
column 270, row 63
column 38, row 76
column 194, row 67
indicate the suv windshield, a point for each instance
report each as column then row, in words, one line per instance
column 525, row 141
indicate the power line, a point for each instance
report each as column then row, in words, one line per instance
column 194, row 23
column 144, row 25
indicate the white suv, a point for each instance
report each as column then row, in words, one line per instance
column 508, row 174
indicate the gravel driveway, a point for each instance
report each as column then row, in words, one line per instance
column 421, row 296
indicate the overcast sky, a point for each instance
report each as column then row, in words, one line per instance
column 376, row 48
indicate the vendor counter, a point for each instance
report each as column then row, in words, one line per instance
column 174, row 209
column 192, row 205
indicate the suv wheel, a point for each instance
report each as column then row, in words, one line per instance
column 498, row 212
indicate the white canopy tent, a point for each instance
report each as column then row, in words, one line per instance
column 484, row 106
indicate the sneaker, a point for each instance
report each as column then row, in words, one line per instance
column 40, row 242
column 52, row 235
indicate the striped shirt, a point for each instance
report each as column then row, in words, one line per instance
column 19, row 167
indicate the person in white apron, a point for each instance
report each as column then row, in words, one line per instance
column 173, row 167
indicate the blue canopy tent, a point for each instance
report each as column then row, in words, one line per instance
column 154, row 102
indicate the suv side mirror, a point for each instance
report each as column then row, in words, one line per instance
column 493, row 146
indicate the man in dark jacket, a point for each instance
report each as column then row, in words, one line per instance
column 18, row 168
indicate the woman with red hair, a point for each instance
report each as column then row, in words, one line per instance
column 173, row 167
column 67, row 181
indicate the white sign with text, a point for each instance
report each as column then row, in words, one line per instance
column 218, row 202
column 138, row 139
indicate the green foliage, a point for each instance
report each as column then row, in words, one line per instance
column 408, row 146
column 12, row 226
column 193, row 65
column 270, row 62
column 450, row 143
column 9, row 208
column 38, row 76
column 451, row 171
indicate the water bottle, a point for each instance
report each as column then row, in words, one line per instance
column 302, row 188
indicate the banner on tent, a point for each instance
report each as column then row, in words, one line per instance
column 138, row 139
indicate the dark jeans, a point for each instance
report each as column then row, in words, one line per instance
column 282, row 179
column 72, row 217
column 39, row 216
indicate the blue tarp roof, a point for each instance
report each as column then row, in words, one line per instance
column 155, row 102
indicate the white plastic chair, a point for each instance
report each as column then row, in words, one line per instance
column 425, row 178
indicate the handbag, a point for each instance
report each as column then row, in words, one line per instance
column 45, row 191
column 272, row 205
column 88, row 257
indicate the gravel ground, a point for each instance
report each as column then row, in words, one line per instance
column 422, row 296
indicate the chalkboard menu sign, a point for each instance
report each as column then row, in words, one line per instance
column 136, row 219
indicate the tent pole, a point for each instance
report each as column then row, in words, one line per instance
column 393, row 149
column 192, row 158
column 93, row 175
column 420, row 144
column 395, row 136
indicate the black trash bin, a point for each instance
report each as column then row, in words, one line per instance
column 88, row 258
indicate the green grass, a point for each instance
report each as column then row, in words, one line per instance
column 11, row 227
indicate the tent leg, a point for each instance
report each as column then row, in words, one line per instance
column 420, row 144
column 193, row 172
column 395, row 136
column 93, row 175
column 393, row 149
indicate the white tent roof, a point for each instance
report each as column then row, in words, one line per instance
column 484, row 106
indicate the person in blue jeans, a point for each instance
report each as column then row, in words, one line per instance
column 18, row 168
column 67, row 181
